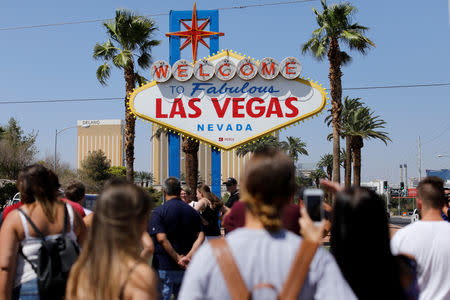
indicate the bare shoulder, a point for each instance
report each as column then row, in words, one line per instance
column 12, row 224
column 142, row 283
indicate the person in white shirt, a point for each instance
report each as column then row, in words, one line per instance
column 262, row 250
column 428, row 241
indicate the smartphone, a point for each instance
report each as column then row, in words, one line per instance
column 313, row 199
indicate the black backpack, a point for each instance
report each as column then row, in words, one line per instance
column 55, row 258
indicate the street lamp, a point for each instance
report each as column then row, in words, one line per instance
column 60, row 131
column 441, row 155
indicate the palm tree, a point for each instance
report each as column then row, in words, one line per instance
column 349, row 105
column 361, row 124
column 251, row 147
column 316, row 175
column 158, row 133
column 343, row 161
column 129, row 36
column 335, row 26
column 144, row 178
column 326, row 161
column 190, row 148
column 294, row 146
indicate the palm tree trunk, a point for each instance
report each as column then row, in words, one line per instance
column 357, row 146
column 348, row 162
column 190, row 149
column 329, row 173
column 130, row 122
column 336, row 96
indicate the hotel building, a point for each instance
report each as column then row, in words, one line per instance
column 105, row 135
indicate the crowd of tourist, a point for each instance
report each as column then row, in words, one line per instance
column 51, row 247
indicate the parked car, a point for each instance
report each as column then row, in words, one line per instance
column 13, row 200
column 415, row 216
column 90, row 201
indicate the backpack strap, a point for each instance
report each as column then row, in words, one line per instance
column 233, row 278
column 35, row 227
column 122, row 288
column 41, row 236
column 65, row 219
column 32, row 224
column 299, row 271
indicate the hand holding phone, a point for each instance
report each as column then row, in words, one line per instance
column 313, row 199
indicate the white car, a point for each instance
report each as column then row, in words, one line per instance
column 14, row 199
column 415, row 216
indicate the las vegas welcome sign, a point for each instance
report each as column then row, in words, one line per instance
column 227, row 100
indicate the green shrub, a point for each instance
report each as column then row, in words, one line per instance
column 156, row 195
column 7, row 191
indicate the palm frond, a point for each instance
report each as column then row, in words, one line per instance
column 147, row 45
column 104, row 51
column 251, row 147
column 140, row 80
column 330, row 137
column 144, row 60
column 362, row 122
column 326, row 161
column 158, row 133
column 317, row 47
column 329, row 118
column 103, row 73
column 334, row 22
column 356, row 40
column 122, row 59
column 345, row 58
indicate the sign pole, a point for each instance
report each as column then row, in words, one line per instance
column 173, row 138
column 174, row 55
column 216, row 171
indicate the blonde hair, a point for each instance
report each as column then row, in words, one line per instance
column 112, row 243
column 267, row 185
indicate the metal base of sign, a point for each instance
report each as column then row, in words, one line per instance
column 174, row 155
column 215, row 172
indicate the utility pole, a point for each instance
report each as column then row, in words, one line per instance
column 401, row 173
column 405, row 168
column 419, row 159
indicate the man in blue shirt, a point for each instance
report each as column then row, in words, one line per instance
column 177, row 233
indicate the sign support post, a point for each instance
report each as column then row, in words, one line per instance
column 174, row 138
column 174, row 55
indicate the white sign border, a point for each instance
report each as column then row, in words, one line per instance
column 182, row 132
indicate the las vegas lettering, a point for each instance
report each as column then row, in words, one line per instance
column 240, row 108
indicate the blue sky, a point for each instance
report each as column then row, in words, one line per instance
column 412, row 45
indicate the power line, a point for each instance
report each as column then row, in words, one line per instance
column 118, row 98
column 398, row 86
column 60, row 100
column 148, row 15
column 265, row 4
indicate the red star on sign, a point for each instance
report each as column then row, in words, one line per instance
column 194, row 34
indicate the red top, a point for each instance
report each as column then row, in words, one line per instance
column 76, row 206
column 236, row 217
column 10, row 208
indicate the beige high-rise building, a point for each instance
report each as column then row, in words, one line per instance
column 105, row 135
column 231, row 164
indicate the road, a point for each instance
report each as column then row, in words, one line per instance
column 397, row 222
column 400, row 221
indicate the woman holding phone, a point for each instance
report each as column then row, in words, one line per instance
column 361, row 246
